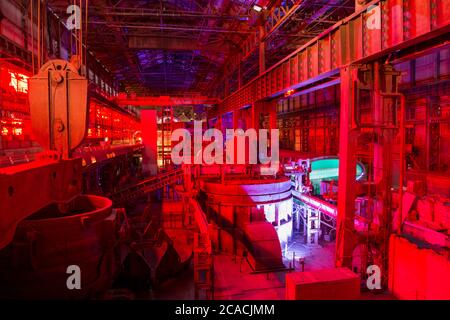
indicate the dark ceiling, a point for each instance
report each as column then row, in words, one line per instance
column 173, row 47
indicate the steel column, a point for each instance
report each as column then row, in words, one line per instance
column 347, row 170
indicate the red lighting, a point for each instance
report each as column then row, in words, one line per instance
column 110, row 125
column 19, row 82
column 289, row 92
column 15, row 126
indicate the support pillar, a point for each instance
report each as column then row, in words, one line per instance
column 347, row 171
column 149, row 138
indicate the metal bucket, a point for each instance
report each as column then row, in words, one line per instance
column 35, row 264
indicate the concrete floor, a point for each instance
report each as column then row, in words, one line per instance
column 320, row 257
column 234, row 279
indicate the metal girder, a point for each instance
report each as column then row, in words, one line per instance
column 151, row 184
column 173, row 27
column 326, row 208
column 318, row 15
column 345, row 241
column 57, row 181
column 279, row 15
column 165, row 101
column 148, row 12
column 124, row 12
column 120, row 38
column 379, row 28
column 136, row 42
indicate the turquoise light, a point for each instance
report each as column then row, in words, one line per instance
column 328, row 169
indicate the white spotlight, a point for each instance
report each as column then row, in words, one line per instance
column 257, row 8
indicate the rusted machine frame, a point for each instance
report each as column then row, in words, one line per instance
column 381, row 83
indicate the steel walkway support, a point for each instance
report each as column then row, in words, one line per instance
column 347, row 170
column 148, row 185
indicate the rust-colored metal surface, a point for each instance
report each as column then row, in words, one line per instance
column 29, row 187
column 264, row 246
column 58, row 106
column 35, row 263
column 365, row 35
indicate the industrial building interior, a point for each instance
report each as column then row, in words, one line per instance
column 93, row 205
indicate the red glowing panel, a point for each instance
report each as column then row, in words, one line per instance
column 289, row 92
column 19, row 82
column 17, row 131
column 109, row 124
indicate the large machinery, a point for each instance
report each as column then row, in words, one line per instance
column 107, row 124
column 251, row 215
column 93, row 209
column 57, row 226
column 361, row 105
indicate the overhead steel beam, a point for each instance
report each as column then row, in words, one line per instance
column 142, row 12
column 120, row 38
column 171, row 44
column 277, row 17
column 153, row 26
column 317, row 15
column 280, row 15
column 376, row 30
column 159, row 101
column 149, row 12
